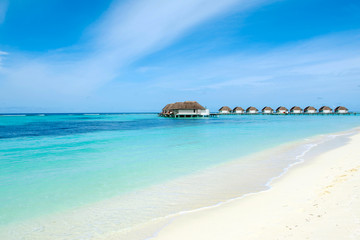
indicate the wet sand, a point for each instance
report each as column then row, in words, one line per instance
column 319, row 199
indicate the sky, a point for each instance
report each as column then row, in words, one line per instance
column 139, row 55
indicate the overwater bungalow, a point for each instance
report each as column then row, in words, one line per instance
column 166, row 109
column 252, row 110
column 185, row 109
column 238, row 110
column 341, row 109
column 225, row 110
column 282, row 110
column 325, row 109
column 310, row 109
column 296, row 109
column 267, row 110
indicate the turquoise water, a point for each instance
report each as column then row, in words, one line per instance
column 49, row 164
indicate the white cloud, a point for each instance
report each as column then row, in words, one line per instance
column 324, row 70
column 2, row 54
column 131, row 30
column 3, row 9
column 329, row 60
column 139, row 27
column 127, row 32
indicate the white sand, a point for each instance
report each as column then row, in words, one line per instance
column 319, row 199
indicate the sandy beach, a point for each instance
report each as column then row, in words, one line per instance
column 179, row 120
column 319, row 199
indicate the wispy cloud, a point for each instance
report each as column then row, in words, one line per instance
column 2, row 55
column 3, row 9
column 326, row 57
column 128, row 31
column 134, row 29
column 323, row 70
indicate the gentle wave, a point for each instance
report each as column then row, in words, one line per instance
column 299, row 160
column 123, row 159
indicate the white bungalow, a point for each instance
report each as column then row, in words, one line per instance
column 296, row 110
column 341, row 109
column 310, row 109
column 325, row 109
column 282, row 110
column 252, row 110
column 225, row 110
column 267, row 110
column 185, row 109
column 238, row 110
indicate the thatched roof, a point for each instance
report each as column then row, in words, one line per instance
column 281, row 108
column 296, row 108
column 225, row 108
column 267, row 109
column 183, row 106
column 341, row 108
column 309, row 108
column 325, row 108
column 238, row 109
column 167, row 107
column 251, row 109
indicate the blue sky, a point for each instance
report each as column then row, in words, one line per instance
column 122, row 56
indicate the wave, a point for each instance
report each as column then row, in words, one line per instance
column 299, row 159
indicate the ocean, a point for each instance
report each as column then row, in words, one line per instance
column 91, row 176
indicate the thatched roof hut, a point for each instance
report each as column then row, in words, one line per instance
column 166, row 107
column 309, row 109
column 225, row 109
column 282, row 109
column 325, row 109
column 251, row 109
column 267, row 110
column 187, row 109
column 186, row 105
column 341, row 109
column 296, row 109
column 240, row 109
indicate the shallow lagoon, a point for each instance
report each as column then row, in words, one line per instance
column 58, row 163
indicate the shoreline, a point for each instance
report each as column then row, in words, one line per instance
column 322, row 139
column 147, row 228
column 195, row 225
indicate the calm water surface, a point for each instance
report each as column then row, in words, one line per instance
column 59, row 162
